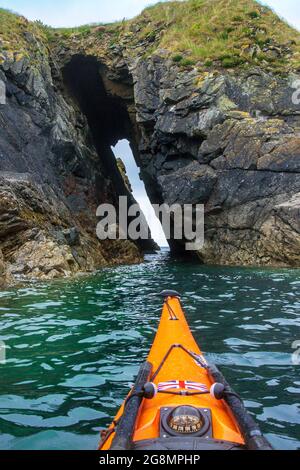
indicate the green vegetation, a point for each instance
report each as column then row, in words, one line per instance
column 229, row 33
column 254, row 14
column 177, row 58
column 15, row 34
column 232, row 61
column 202, row 33
column 83, row 30
column 187, row 62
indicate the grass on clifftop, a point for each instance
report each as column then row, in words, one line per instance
column 206, row 33
column 13, row 40
column 231, row 32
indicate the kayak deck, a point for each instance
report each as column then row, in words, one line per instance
column 177, row 369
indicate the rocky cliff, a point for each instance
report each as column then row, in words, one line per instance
column 51, row 176
column 232, row 143
column 209, row 115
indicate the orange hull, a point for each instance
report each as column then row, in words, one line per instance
column 178, row 366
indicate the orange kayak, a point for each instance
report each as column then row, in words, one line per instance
column 179, row 401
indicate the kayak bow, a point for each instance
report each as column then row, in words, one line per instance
column 179, row 401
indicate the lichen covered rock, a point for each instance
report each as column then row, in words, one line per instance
column 219, row 129
column 51, row 179
column 229, row 142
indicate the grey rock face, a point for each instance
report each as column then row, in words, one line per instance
column 72, row 236
column 227, row 140
column 189, row 185
column 232, row 143
column 51, row 180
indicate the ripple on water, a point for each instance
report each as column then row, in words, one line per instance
column 74, row 347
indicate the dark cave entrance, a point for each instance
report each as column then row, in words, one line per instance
column 107, row 115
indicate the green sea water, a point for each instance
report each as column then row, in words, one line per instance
column 74, row 347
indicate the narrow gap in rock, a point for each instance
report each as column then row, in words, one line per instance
column 107, row 115
column 123, row 152
column 108, row 119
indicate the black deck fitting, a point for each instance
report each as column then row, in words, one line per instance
column 169, row 293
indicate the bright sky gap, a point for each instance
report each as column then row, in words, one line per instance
column 122, row 150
